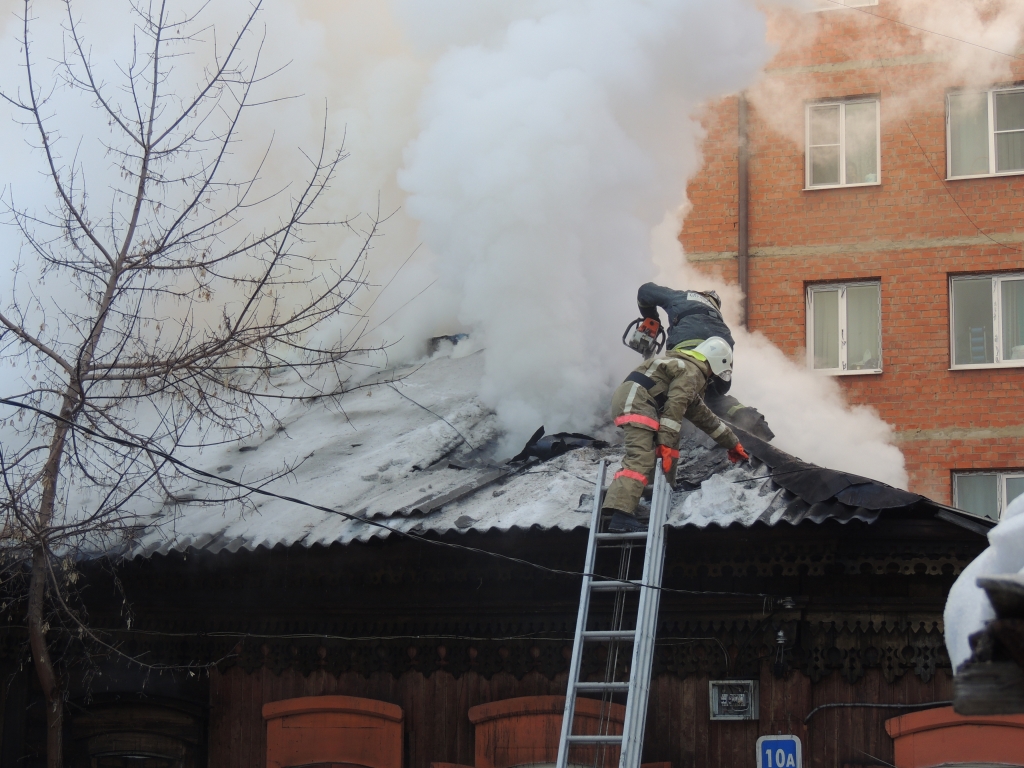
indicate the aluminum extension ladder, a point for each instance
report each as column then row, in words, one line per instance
column 637, row 687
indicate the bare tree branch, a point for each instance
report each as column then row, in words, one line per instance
column 167, row 319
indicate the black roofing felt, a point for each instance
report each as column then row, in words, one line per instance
column 830, row 494
column 816, row 484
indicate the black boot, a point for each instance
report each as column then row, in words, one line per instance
column 623, row 523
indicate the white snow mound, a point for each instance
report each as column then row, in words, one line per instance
column 967, row 607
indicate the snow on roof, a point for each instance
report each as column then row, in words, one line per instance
column 379, row 454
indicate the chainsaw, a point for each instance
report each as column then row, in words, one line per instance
column 648, row 337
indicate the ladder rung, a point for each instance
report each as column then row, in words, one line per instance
column 614, row 586
column 621, row 634
column 602, row 687
column 605, row 739
column 640, row 640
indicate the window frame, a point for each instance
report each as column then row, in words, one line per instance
column 997, row 323
column 1002, row 475
column 841, row 103
column 843, row 286
column 990, row 95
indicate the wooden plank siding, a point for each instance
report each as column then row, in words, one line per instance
column 437, row 727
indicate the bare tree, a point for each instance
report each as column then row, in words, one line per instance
column 168, row 314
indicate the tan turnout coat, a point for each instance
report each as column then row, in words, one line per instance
column 678, row 379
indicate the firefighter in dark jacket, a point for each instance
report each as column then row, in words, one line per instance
column 649, row 406
column 692, row 315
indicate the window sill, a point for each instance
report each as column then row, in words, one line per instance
column 984, row 366
column 986, row 175
column 842, row 186
column 837, row 372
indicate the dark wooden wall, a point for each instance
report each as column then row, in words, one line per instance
column 679, row 730
column 437, row 727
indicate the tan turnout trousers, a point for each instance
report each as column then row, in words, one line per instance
column 649, row 406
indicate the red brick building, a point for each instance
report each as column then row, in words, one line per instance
column 884, row 228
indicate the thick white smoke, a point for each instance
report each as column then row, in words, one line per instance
column 806, row 410
column 530, row 149
column 548, row 150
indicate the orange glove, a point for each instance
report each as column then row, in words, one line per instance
column 737, row 454
column 667, row 456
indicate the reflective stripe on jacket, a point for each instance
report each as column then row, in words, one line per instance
column 678, row 380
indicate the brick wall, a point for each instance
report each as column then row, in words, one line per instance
column 911, row 232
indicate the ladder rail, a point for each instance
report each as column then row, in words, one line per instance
column 637, row 688
column 647, row 625
column 581, row 622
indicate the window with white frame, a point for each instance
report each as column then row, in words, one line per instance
column 842, row 143
column 987, row 320
column 987, row 493
column 844, row 327
column 985, row 132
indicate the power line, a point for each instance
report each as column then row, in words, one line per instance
column 874, row 705
column 942, row 181
column 922, row 29
column 436, row 415
column 203, row 474
column 949, row 192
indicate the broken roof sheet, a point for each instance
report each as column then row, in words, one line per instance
column 397, row 456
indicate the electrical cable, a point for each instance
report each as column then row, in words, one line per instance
column 670, row 641
column 945, row 186
column 871, row 705
column 203, row 474
column 772, row 475
column 436, row 415
column 922, row 29
column 942, row 181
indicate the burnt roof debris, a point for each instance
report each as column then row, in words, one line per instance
column 437, row 342
column 433, row 502
column 544, row 447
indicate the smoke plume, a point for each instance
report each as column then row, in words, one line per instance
column 545, row 156
column 525, row 153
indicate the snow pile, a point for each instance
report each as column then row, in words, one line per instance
column 362, row 454
column 967, row 607
column 723, row 499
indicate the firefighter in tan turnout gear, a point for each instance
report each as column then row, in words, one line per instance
column 649, row 406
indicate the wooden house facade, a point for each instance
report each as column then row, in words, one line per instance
column 410, row 604
column 825, row 616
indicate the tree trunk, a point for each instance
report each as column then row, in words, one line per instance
column 43, row 663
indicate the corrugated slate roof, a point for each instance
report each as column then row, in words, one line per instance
column 400, row 456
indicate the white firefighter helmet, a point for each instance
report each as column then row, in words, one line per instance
column 719, row 356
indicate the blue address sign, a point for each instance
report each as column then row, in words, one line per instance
column 779, row 752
